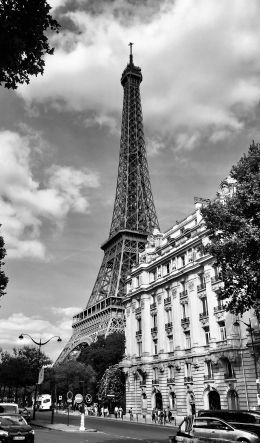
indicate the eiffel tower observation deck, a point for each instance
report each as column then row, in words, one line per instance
column 134, row 218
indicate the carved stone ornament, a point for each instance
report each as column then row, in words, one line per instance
column 161, row 367
column 207, row 276
column 174, row 292
column 128, row 312
column 191, row 286
column 142, row 304
column 159, row 299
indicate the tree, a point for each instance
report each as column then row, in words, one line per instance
column 234, row 232
column 112, row 384
column 23, row 42
column 104, row 352
column 3, row 277
column 70, row 374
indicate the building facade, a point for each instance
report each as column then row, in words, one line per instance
column 183, row 351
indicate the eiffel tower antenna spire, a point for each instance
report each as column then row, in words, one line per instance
column 134, row 218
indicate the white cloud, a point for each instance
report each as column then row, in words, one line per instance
column 200, row 60
column 39, row 329
column 25, row 203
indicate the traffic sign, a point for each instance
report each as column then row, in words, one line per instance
column 69, row 396
column 88, row 398
column 78, row 398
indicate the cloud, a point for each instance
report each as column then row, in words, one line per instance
column 25, row 202
column 200, row 61
column 38, row 328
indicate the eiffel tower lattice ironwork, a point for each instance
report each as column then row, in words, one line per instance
column 134, row 218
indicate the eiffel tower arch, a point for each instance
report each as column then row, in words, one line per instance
column 134, row 218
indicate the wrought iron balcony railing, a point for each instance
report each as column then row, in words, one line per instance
column 188, row 379
column 154, row 330
column 170, row 381
column 155, row 381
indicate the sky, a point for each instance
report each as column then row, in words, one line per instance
column 60, row 138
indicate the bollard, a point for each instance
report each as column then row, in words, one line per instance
column 82, row 422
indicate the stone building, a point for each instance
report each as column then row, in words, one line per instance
column 183, row 351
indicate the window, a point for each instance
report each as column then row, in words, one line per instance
column 170, row 372
column 139, row 348
column 181, row 261
column 204, row 303
column 137, row 281
column 139, row 325
column 222, row 330
column 190, row 256
column 202, row 281
column 152, row 276
column 169, row 315
column 155, row 321
column 184, row 309
column 171, row 344
column 188, row 370
column 155, row 373
column 207, row 335
column 209, row 370
column 187, row 340
column 159, row 272
column 174, row 264
column 155, row 347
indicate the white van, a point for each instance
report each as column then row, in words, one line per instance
column 43, row 402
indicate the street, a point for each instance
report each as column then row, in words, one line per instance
column 108, row 431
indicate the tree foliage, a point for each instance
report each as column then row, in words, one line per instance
column 70, row 375
column 3, row 277
column 112, row 383
column 234, row 231
column 104, row 352
column 23, row 39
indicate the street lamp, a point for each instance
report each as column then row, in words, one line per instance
column 39, row 343
column 250, row 329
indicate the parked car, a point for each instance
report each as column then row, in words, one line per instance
column 9, row 408
column 210, row 428
column 13, row 427
column 25, row 414
column 232, row 415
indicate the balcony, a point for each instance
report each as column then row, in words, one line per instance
column 154, row 330
column 230, row 376
column 185, row 322
column 183, row 294
column 167, row 301
column 137, row 333
column 201, row 287
column 168, row 326
column 208, row 377
column 138, row 311
column 204, row 318
column 219, row 312
column 203, row 315
column 155, row 382
column 170, row 381
column 153, row 306
column 216, row 279
column 188, row 380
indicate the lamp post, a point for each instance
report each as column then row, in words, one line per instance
column 250, row 329
column 39, row 343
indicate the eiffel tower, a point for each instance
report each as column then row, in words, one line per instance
column 134, row 218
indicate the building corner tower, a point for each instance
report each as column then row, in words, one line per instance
column 134, row 218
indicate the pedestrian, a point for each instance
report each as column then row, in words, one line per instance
column 131, row 414
column 169, row 416
column 116, row 411
column 161, row 415
column 164, row 416
column 153, row 415
column 120, row 412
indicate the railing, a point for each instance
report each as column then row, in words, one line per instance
column 203, row 315
column 219, row 308
column 201, row 287
column 170, row 381
column 188, row 379
column 183, row 293
column 153, row 306
column 230, row 376
column 167, row 301
column 138, row 332
column 208, row 377
column 168, row 325
column 216, row 279
column 185, row 320
column 154, row 330
column 155, row 382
